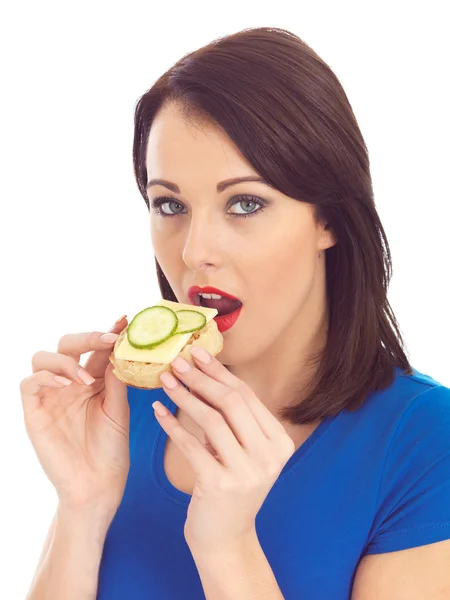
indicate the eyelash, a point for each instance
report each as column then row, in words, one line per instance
column 160, row 200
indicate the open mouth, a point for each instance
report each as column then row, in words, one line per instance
column 228, row 306
column 224, row 306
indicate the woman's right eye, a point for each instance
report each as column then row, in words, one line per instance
column 158, row 203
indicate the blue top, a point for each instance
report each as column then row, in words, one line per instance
column 365, row 482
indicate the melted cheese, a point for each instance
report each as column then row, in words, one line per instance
column 168, row 350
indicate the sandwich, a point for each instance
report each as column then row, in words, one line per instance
column 157, row 335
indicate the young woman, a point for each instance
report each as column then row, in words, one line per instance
column 308, row 460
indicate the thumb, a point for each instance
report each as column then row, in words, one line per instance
column 116, row 399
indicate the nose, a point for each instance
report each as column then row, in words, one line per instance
column 202, row 248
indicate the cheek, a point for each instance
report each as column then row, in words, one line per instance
column 279, row 279
column 159, row 231
column 285, row 260
column 155, row 234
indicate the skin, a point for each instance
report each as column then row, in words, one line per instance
column 272, row 261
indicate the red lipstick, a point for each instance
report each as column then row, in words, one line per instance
column 195, row 290
column 224, row 322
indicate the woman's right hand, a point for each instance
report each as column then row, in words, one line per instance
column 80, row 432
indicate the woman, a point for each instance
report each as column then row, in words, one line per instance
column 308, row 460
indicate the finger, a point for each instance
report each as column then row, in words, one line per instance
column 208, row 446
column 98, row 361
column 60, row 364
column 231, row 404
column 213, row 424
column 76, row 344
column 268, row 423
column 31, row 387
column 116, row 404
column 202, row 462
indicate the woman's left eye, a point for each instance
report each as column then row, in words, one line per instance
column 245, row 201
column 248, row 204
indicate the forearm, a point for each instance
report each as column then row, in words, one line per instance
column 239, row 573
column 69, row 569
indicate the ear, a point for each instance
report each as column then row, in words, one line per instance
column 327, row 239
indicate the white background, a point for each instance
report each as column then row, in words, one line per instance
column 75, row 243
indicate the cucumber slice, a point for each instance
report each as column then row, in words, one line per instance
column 151, row 327
column 189, row 321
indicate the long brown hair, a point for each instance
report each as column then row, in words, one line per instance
column 288, row 114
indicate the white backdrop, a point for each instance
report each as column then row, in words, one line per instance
column 71, row 74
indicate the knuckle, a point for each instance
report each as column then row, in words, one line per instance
column 254, row 480
column 212, row 419
column 286, row 446
column 271, row 464
column 24, row 383
column 244, row 390
column 37, row 356
column 189, row 443
column 64, row 342
column 232, row 399
column 32, row 384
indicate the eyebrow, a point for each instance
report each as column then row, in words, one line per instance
column 221, row 186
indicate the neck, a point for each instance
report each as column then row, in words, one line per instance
column 289, row 358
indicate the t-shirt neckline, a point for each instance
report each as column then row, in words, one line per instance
column 179, row 497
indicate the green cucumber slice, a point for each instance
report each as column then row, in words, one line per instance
column 189, row 321
column 151, row 327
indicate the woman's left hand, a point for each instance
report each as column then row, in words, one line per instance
column 248, row 450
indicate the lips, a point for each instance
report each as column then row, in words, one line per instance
column 227, row 303
column 195, row 290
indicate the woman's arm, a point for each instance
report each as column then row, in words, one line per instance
column 44, row 551
column 239, row 573
column 70, row 560
column 79, row 426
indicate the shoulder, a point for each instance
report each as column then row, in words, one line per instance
column 423, row 406
column 414, row 420
column 416, row 400
column 410, row 407
column 413, row 501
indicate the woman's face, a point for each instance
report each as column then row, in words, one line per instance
column 268, row 259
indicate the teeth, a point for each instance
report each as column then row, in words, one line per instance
column 211, row 296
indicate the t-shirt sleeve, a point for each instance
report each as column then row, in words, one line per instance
column 414, row 494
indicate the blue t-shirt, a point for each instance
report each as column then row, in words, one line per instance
column 365, row 482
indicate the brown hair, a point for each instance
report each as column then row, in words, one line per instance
column 288, row 114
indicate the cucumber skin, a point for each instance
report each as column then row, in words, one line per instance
column 195, row 328
column 159, row 342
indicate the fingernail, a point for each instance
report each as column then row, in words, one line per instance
column 117, row 322
column 159, row 409
column 109, row 337
column 85, row 377
column 201, row 354
column 180, row 364
column 168, row 380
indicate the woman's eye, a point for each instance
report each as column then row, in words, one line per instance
column 175, row 207
column 248, row 205
column 245, row 205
